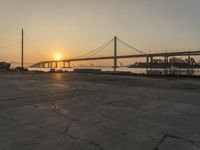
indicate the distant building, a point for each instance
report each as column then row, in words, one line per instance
column 5, row 66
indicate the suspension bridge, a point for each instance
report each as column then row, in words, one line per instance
column 91, row 55
column 139, row 54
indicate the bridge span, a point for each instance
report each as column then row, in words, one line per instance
column 115, row 57
column 149, row 58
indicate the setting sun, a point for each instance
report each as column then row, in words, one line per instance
column 57, row 57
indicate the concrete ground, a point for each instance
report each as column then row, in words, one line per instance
column 98, row 112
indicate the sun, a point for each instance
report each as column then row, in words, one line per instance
column 58, row 57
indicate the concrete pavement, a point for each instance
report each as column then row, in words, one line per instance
column 98, row 112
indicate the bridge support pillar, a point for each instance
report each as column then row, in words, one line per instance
column 166, row 60
column 147, row 64
column 63, row 64
column 188, row 64
column 69, row 64
column 50, row 64
column 43, row 65
column 147, row 60
column 115, row 54
column 151, row 59
column 56, row 64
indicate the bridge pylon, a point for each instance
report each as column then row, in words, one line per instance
column 115, row 54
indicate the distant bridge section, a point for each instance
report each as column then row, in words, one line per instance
column 149, row 57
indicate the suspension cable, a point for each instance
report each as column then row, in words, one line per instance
column 34, row 48
column 131, row 47
column 96, row 50
column 101, row 49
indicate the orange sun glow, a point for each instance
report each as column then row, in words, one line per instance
column 57, row 56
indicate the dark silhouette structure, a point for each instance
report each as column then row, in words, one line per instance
column 149, row 57
column 5, row 66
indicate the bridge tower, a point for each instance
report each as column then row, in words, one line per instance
column 22, row 52
column 115, row 54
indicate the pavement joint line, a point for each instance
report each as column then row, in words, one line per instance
column 47, row 130
column 85, row 140
column 68, row 127
column 39, row 101
column 165, row 136
column 44, row 94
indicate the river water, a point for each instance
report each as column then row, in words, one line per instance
column 176, row 71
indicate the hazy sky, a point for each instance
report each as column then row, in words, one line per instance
column 73, row 27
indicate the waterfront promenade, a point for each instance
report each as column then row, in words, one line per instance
column 69, row 111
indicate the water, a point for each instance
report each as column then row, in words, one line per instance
column 176, row 71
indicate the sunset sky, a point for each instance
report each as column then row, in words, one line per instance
column 73, row 27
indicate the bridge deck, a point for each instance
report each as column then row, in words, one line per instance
column 182, row 53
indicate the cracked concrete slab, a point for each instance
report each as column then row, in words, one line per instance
column 100, row 112
column 173, row 143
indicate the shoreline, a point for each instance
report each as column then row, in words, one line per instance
column 108, row 73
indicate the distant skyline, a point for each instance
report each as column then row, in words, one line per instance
column 72, row 27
